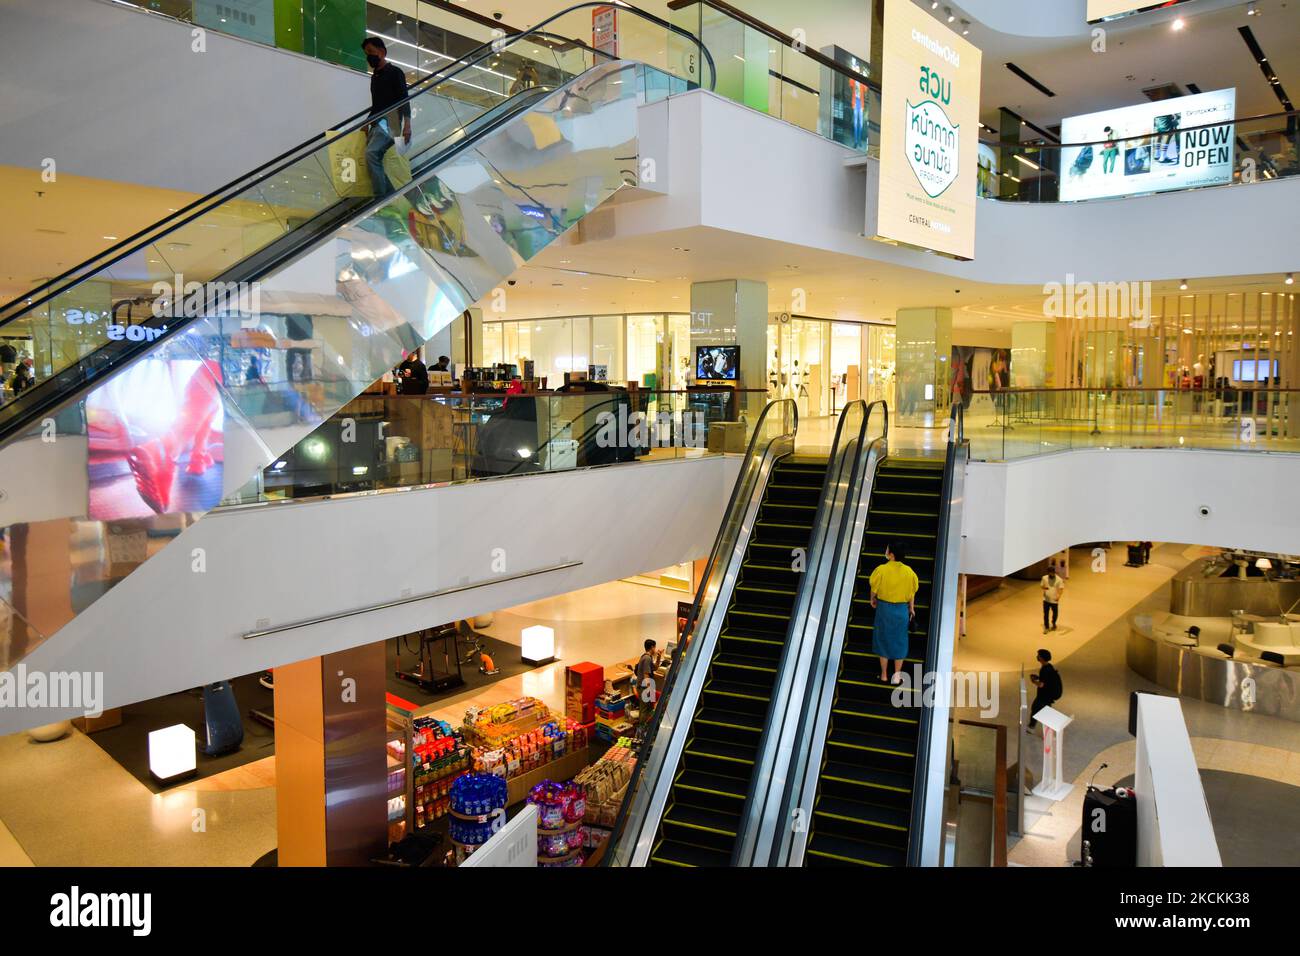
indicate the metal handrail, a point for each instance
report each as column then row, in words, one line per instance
column 134, row 243
column 750, row 481
column 790, row 798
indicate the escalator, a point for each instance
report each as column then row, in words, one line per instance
column 374, row 278
column 863, row 807
column 868, row 758
column 706, row 803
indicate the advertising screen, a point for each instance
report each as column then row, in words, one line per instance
column 1149, row 147
column 1113, row 9
column 929, row 135
column 717, row 363
column 155, row 435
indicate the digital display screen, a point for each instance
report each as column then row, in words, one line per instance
column 1253, row 370
column 156, row 440
column 717, row 363
column 1150, row 147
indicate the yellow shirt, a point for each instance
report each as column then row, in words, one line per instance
column 894, row 582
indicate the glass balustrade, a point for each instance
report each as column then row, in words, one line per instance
column 1022, row 422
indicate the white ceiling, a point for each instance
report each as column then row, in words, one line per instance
column 1143, row 51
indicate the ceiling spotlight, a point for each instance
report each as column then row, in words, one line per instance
column 1252, row 10
column 934, row 4
column 1182, row 286
column 965, row 28
column 1178, row 24
column 951, row 16
column 1290, row 278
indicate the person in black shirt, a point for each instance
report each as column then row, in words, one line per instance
column 387, row 89
column 414, row 376
column 1048, row 682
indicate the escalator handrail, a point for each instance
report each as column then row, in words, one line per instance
column 828, row 641
column 939, row 597
column 738, row 501
column 809, row 600
column 156, row 231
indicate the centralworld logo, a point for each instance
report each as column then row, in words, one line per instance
column 932, row 146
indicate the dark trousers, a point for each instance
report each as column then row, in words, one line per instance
column 1041, row 700
column 1050, row 609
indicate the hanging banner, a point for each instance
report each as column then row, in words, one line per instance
column 929, row 135
column 604, row 30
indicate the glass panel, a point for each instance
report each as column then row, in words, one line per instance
column 607, row 345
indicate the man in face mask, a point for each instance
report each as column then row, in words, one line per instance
column 387, row 90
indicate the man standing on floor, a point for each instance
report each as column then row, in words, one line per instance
column 387, row 89
column 1053, row 587
column 1048, row 682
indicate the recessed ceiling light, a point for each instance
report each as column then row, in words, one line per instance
column 1290, row 279
column 111, row 238
column 1178, row 24
column 1182, row 286
column 951, row 16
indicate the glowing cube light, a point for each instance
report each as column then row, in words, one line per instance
column 172, row 753
column 539, row 644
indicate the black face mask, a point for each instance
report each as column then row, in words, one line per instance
column 372, row 59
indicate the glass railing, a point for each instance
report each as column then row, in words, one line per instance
column 767, row 70
column 1022, row 422
column 424, row 37
column 774, row 435
column 1250, row 149
column 378, row 442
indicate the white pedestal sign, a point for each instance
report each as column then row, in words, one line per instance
column 1053, row 785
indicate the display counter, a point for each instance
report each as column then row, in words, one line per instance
column 1160, row 649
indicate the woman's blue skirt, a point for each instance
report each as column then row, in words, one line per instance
column 889, row 635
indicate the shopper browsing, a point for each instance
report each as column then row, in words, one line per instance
column 414, row 376
column 893, row 595
column 645, row 674
column 1048, row 682
column 1053, row 586
column 387, row 90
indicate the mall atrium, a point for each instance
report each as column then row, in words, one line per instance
column 669, row 434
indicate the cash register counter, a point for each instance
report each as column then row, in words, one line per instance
column 1160, row 649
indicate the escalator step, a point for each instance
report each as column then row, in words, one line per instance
column 826, row 849
column 848, row 742
column 706, row 821
column 869, row 778
column 734, row 754
column 676, row 853
column 865, row 814
column 728, row 720
column 889, row 716
column 697, row 785
column 730, row 691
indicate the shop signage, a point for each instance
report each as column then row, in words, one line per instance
column 929, row 136
column 1149, row 147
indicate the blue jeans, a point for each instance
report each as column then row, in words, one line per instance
column 377, row 143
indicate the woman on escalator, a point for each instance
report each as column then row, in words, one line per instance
column 893, row 595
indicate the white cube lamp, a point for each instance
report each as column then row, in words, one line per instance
column 172, row 753
column 539, row 645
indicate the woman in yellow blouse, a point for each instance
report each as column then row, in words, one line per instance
column 893, row 595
